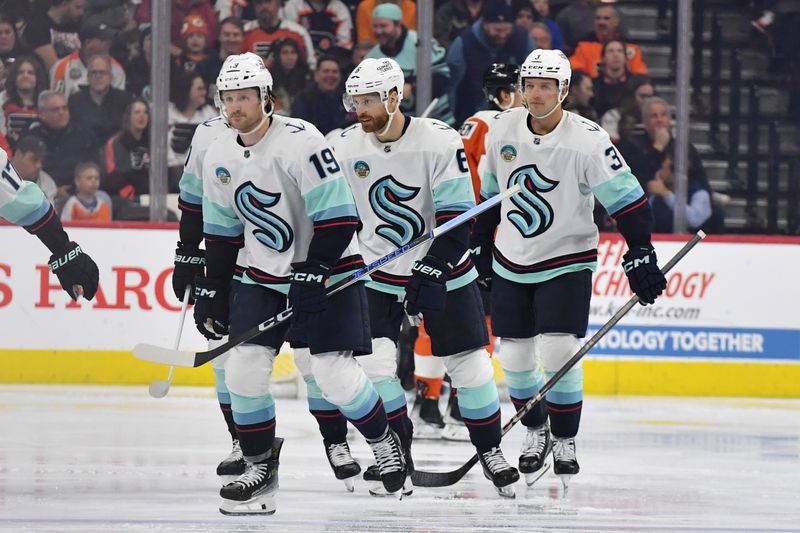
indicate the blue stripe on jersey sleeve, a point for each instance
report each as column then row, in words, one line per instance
column 330, row 199
column 191, row 188
column 454, row 195
column 489, row 186
column 28, row 206
column 618, row 192
column 220, row 220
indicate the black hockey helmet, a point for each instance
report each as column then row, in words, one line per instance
column 500, row 76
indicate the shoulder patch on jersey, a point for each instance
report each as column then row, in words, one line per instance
column 361, row 168
column 508, row 153
column 210, row 121
column 297, row 127
column 497, row 116
column 223, row 175
column 348, row 129
column 439, row 124
column 467, row 129
column 590, row 125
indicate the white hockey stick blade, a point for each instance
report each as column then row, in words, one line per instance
column 164, row 356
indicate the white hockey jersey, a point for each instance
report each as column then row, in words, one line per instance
column 21, row 202
column 273, row 194
column 191, row 183
column 547, row 229
column 401, row 188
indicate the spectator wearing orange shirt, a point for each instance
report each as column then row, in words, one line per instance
column 89, row 203
column 364, row 17
column 589, row 52
column 270, row 29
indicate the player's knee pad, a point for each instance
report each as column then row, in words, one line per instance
column 249, row 369
column 469, row 369
column 338, row 375
column 218, row 363
column 302, row 360
column 555, row 349
column 518, row 355
column 428, row 366
column 381, row 364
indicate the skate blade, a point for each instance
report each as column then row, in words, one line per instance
column 565, row 482
column 260, row 505
column 533, row 477
column 455, row 432
column 506, row 492
column 349, row 484
column 377, row 489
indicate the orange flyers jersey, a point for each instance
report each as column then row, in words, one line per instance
column 473, row 135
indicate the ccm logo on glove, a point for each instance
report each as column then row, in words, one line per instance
column 200, row 292
column 630, row 265
column 308, row 277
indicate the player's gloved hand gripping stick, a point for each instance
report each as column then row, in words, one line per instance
column 167, row 356
column 445, row 479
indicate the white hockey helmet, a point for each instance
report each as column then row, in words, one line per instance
column 243, row 71
column 374, row 76
column 547, row 64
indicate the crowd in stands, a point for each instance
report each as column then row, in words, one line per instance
column 75, row 74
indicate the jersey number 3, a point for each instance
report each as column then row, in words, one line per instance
column 534, row 215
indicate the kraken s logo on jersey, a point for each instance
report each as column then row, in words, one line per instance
column 253, row 203
column 535, row 215
column 402, row 224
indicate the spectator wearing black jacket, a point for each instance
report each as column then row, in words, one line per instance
column 127, row 154
column 321, row 102
column 98, row 106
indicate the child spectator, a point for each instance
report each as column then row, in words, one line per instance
column 194, row 35
column 89, row 203
column 18, row 103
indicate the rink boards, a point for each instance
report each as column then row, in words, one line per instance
column 728, row 324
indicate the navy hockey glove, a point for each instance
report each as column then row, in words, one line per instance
column 307, row 294
column 482, row 259
column 76, row 271
column 190, row 262
column 426, row 290
column 644, row 276
column 211, row 307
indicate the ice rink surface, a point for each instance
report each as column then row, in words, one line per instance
column 112, row 459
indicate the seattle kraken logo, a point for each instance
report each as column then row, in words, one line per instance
column 403, row 224
column 254, row 204
column 535, row 215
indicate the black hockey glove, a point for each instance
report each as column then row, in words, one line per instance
column 211, row 307
column 189, row 264
column 76, row 271
column 182, row 137
column 644, row 276
column 426, row 290
column 307, row 294
column 482, row 258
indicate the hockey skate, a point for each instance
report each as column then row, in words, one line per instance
column 499, row 472
column 232, row 466
column 565, row 464
column 254, row 491
column 393, row 469
column 428, row 423
column 344, row 466
column 533, row 456
column 454, row 427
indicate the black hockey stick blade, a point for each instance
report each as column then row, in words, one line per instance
column 445, row 479
column 189, row 359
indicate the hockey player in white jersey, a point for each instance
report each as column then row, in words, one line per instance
column 23, row 203
column 409, row 175
column 278, row 190
column 189, row 264
column 540, row 261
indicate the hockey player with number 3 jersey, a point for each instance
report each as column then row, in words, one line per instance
column 23, row 203
column 540, row 261
column 276, row 188
column 409, row 175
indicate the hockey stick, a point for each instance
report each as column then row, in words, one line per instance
column 158, row 388
column 445, row 479
column 156, row 354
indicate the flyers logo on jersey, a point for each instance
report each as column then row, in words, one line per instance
column 508, row 153
column 223, row 175
column 534, row 215
column 271, row 230
column 401, row 223
column 361, row 168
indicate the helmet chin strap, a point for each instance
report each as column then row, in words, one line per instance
column 388, row 125
column 264, row 117
column 496, row 102
column 542, row 117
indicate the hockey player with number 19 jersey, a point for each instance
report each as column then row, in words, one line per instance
column 545, row 249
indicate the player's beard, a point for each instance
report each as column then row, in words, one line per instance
column 376, row 124
column 241, row 123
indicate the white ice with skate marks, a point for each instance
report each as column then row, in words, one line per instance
column 91, row 459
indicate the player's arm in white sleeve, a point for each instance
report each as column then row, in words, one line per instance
column 23, row 203
column 223, row 230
